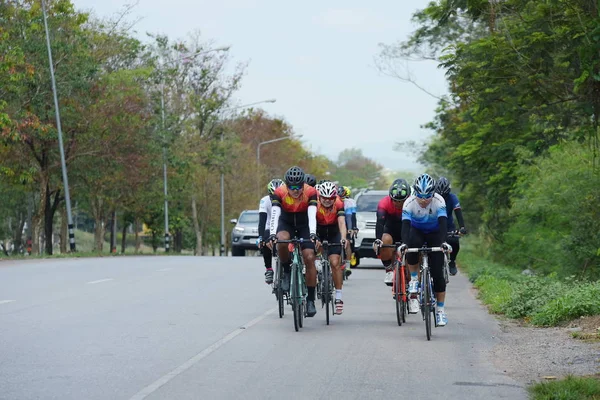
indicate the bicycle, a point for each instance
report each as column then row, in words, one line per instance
column 426, row 294
column 399, row 284
column 325, row 285
column 298, row 290
column 280, row 294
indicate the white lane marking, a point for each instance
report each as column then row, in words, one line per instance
column 100, row 281
column 165, row 269
column 148, row 390
column 6, row 301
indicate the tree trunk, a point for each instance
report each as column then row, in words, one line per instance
column 138, row 239
column 99, row 235
column 64, row 230
column 50, row 210
column 113, row 232
column 18, row 238
column 197, row 230
column 123, row 238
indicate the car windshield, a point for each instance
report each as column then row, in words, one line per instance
column 249, row 218
column 368, row 202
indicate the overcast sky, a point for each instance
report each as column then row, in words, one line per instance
column 317, row 59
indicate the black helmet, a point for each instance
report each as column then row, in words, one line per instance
column 400, row 190
column 322, row 181
column 310, row 179
column 294, row 176
column 443, row 186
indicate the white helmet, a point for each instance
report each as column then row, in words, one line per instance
column 327, row 189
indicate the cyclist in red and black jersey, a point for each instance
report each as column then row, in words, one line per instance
column 389, row 224
column 331, row 226
column 294, row 213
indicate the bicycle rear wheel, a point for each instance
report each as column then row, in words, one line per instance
column 278, row 289
column 426, row 302
column 398, row 295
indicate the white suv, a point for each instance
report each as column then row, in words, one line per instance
column 366, row 220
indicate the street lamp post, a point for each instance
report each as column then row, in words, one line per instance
column 162, row 109
column 222, row 249
column 60, row 141
column 258, row 159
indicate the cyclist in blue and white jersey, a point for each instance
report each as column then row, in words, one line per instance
column 264, row 213
column 424, row 219
column 452, row 205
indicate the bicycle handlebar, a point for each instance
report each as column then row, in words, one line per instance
column 425, row 249
column 391, row 246
column 325, row 243
column 301, row 240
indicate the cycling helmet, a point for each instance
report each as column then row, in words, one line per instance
column 343, row 192
column 274, row 184
column 443, row 186
column 321, row 181
column 294, row 176
column 400, row 190
column 424, row 186
column 311, row 180
column 327, row 189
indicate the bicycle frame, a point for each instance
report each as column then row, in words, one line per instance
column 298, row 290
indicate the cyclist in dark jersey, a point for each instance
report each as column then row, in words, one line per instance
column 389, row 224
column 443, row 188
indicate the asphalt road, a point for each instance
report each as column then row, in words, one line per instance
column 207, row 328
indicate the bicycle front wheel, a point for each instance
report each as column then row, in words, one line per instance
column 398, row 294
column 296, row 297
column 426, row 302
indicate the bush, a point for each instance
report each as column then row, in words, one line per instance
column 582, row 299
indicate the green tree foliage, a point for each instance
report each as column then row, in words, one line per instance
column 524, row 77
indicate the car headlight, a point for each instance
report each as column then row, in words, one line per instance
column 238, row 229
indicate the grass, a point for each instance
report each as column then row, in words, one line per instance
column 85, row 245
column 541, row 300
column 570, row 388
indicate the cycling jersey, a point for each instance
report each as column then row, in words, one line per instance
column 329, row 216
column 350, row 210
column 452, row 204
column 424, row 219
column 294, row 212
column 389, row 219
column 264, row 213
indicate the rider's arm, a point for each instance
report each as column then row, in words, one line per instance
column 262, row 223
column 354, row 223
column 443, row 223
column 275, row 213
column 405, row 230
column 342, row 226
column 312, row 219
column 380, row 223
column 459, row 217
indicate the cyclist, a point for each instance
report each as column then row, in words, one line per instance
column 388, row 229
column 331, row 226
column 311, row 180
column 424, row 219
column 294, row 212
column 350, row 210
column 452, row 204
column 264, row 213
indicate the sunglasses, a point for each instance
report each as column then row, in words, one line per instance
column 295, row 187
column 328, row 198
column 424, row 196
